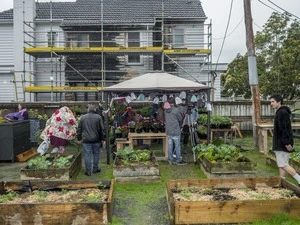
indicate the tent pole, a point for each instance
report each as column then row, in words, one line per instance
column 107, row 128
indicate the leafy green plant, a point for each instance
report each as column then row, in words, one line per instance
column 139, row 126
column 222, row 153
column 39, row 162
column 129, row 155
column 62, row 161
column 44, row 162
column 146, row 111
column 41, row 195
column 215, row 120
column 8, row 197
column 78, row 109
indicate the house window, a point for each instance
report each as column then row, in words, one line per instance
column 52, row 38
column 178, row 38
column 133, row 39
column 77, row 40
column 83, row 40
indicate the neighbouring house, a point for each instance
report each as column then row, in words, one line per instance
column 56, row 51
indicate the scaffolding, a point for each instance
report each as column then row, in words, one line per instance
column 91, row 59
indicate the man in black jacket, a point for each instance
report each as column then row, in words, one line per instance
column 283, row 137
column 90, row 131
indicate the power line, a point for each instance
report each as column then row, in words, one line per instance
column 283, row 9
column 269, row 6
column 228, row 21
column 230, row 32
column 288, row 13
column 257, row 26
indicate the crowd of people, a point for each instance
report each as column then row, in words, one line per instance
column 178, row 117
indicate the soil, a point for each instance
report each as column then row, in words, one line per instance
column 196, row 193
column 64, row 196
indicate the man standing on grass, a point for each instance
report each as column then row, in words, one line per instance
column 90, row 130
column 283, row 137
column 174, row 119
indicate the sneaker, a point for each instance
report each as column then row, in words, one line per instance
column 181, row 163
column 97, row 171
column 61, row 149
column 87, row 174
column 174, row 155
column 55, row 150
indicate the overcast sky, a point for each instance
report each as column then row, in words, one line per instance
column 218, row 12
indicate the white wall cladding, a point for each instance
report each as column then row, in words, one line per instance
column 6, row 45
column 7, row 93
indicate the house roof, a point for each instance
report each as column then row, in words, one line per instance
column 162, row 82
column 6, row 15
column 87, row 12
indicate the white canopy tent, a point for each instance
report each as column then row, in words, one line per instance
column 161, row 82
column 155, row 82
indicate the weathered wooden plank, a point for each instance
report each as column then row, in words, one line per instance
column 57, row 213
column 25, row 156
column 233, row 211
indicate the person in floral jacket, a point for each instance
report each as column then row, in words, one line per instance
column 60, row 129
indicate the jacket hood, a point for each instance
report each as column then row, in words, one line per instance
column 285, row 108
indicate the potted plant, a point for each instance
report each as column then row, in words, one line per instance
column 124, row 131
column 161, row 126
column 139, row 127
column 154, row 126
column 202, row 131
column 118, row 132
column 147, row 126
column 131, row 126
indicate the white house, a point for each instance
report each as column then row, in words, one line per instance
column 55, row 51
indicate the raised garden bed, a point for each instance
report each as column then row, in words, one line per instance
column 230, row 211
column 90, row 208
column 136, row 170
column 223, row 161
column 54, row 173
column 246, row 168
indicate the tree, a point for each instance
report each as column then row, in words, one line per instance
column 235, row 81
column 278, row 61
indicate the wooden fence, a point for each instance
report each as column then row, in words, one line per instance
column 241, row 111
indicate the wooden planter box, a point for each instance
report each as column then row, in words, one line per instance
column 227, row 169
column 271, row 160
column 233, row 211
column 14, row 139
column 54, row 173
column 139, row 172
column 94, row 213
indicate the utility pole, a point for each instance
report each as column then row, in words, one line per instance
column 252, row 70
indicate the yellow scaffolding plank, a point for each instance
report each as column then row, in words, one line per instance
column 114, row 49
column 92, row 49
column 40, row 89
column 187, row 51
